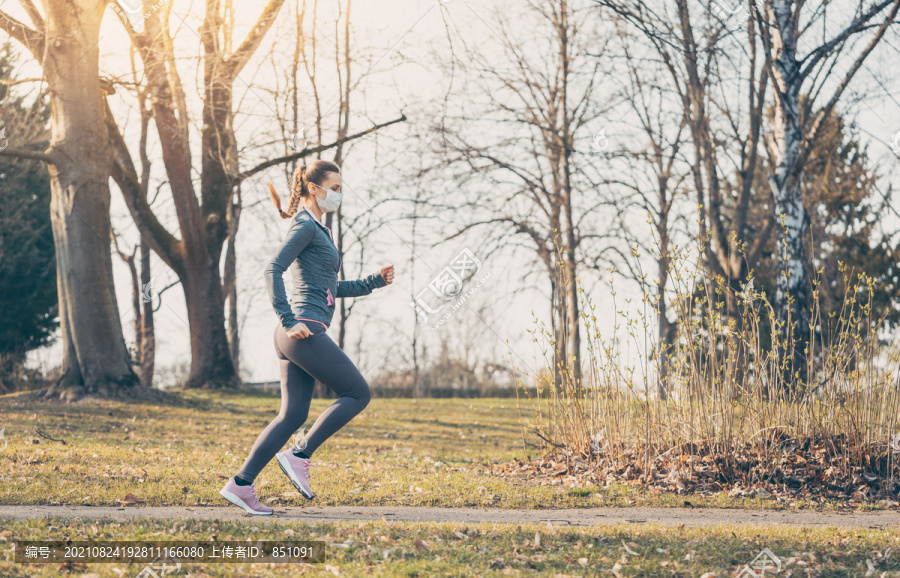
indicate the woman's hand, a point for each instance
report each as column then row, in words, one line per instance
column 299, row 331
column 388, row 274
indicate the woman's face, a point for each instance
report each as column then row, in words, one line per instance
column 332, row 181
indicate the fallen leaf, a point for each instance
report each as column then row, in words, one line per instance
column 130, row 499
column 333, row 569
column 629, row 550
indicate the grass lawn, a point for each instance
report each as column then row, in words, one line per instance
column 397, row 452
column 430, row 549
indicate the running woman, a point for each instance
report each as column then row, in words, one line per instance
column 305, row 352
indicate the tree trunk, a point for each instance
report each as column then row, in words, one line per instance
column 95, row 359
column 572, row 347
column 791, row 290
column 211, row 365
column 230, row 284
column 665, row 344
column 790, row 286
column 735, row 351
column 148, row 335
column 557, row 327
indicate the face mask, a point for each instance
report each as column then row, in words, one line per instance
column 331, row 202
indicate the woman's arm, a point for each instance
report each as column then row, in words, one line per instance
column 360, row 287
column 298, row 237
column 385, row 276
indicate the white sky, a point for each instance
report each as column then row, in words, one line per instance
column 399, row 41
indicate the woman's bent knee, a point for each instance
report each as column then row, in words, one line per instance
column 365, row 394
column 295, row 420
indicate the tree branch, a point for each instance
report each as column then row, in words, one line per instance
column 31, row 39
column 28, row 154
column 124, row 174
column 33, row 14
column 242, row 55
column 309, row 151
column 819, row 53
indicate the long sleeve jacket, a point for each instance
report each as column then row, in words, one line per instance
column 314, row 260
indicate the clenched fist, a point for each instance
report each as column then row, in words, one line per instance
column 388, row 274
column 299, row 331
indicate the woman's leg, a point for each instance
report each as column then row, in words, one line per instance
column 322, row 359
column 296, row 393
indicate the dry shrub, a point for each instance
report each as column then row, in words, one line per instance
column 723, row 413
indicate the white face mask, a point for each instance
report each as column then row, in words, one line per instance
column 331, row 202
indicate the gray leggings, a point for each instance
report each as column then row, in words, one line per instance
column 303, row 361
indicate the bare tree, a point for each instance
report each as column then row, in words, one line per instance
column 65, row 42
column 721, row 87
column 653, row 179
column 142, row 281
column 344, row 56
column 205, row 223
column 342, row 70
column 790, row 28
column 513, row 154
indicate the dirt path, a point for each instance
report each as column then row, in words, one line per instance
column 567, row 517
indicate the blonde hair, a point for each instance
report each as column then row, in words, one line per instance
column 314, row 172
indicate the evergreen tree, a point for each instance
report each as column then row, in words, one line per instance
column 28, row 299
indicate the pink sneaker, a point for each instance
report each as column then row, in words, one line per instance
column 297, row 470
column 244, row 497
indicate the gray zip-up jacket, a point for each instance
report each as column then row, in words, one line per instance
column 314, row 261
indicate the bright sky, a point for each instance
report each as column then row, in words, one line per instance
column 391, row 36
column 400, row 42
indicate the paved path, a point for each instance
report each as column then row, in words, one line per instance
column 568, row 517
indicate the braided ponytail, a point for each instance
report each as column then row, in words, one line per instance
column 297, row 191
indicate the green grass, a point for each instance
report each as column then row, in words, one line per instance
column 389, row 548
column 431, row 452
